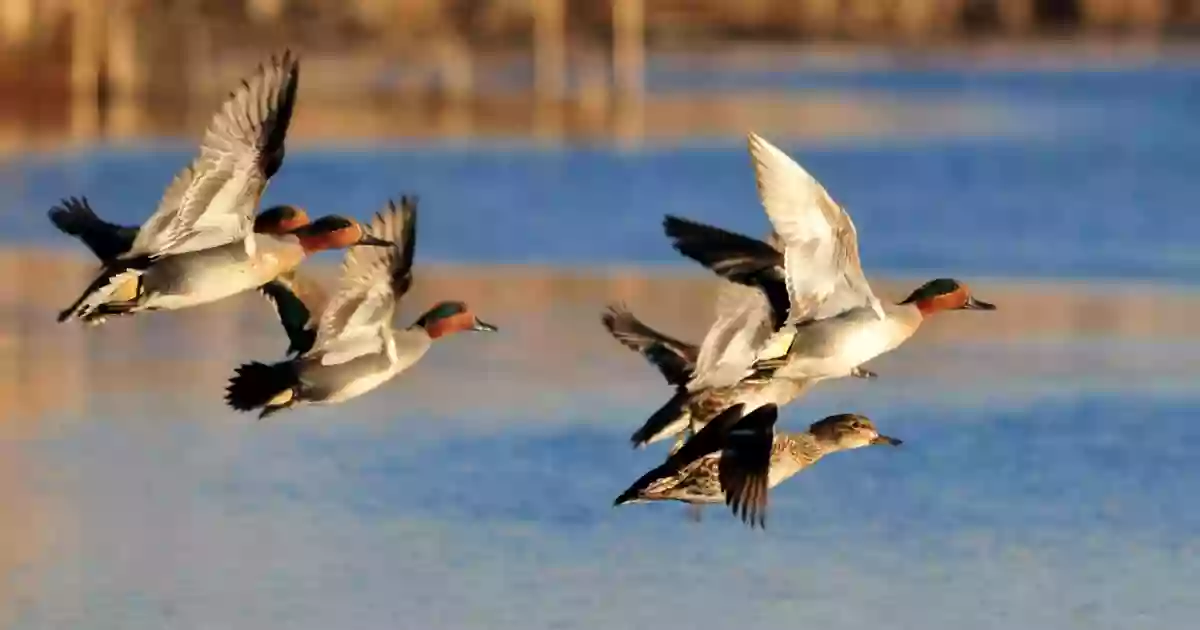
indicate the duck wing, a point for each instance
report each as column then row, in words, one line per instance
column 745, row 464
column 751, row 308
column 673, row 358
column 212, row 201
column 820, row 243
column 74, row 216
column 298, row 301
column 358, row 319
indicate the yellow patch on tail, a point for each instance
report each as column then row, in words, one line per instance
column 126, row 291
column 282, row 398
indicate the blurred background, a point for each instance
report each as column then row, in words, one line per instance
column 1039, row 150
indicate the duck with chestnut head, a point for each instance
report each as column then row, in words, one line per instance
column 344, row 345
column 820, row 317
column 207, row 275
column 739, row 456
column 108, row 241
column 205, row 221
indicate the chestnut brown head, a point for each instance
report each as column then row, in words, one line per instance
column 451, row 317
column 945, row 294
column 335, row 232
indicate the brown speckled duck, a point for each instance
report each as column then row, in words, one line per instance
column 735, row 460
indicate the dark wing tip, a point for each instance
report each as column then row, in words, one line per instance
column 286, row 62
column 408, row 214
column 408, row 211
column 70, row 208
column 616, row 310
column 275, row 127
column 746, row 493
column 616, row 318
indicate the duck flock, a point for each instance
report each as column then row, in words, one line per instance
column 794, row 309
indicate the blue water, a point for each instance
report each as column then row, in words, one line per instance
column 1095, row 181
column 1068, row 511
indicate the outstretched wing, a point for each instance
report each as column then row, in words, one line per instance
column 674, row 358
column 299, row 302
column 358, row 319
column 824, row 274
column 212, row 201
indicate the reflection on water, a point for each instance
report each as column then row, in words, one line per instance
column 1045, row 481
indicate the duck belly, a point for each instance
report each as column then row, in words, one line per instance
column 332, row 384
column 201, row 277
column 832, row 349
column 359, row 385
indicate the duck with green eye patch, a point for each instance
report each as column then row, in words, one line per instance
column 108, row 241
column 819, row 318
column 344, row 346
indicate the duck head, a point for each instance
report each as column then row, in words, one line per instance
column 451, row 317
column 335, row 232
column 280, row 219
column 849, row 430
column 945, row 294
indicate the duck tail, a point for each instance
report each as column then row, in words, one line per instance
column 670, row 419
column 629, row 496
column 122, row 276
column 269, row 387
column 639, row 491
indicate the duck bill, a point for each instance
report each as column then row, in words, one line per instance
column 978, row 305
column 884, row 440
column 374, row 241
column 483, row 326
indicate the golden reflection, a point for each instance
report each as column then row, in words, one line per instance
column 549, row 319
